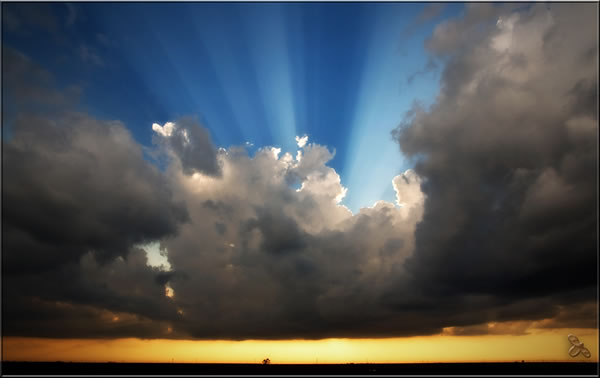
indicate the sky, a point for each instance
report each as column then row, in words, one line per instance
column 258, row 73
column 277, row 178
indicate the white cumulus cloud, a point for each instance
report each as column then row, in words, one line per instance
column 301, row 141
column 166, row 130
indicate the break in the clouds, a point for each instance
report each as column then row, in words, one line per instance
column 494, row 227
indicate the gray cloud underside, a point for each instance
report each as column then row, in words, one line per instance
column 508, row 152
column 498, row 223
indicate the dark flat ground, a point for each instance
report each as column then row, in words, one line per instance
column 64, row 368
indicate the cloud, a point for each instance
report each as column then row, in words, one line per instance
column 455, row 35
column 510, row 181
column 289, row 263
column 431, row 66
column 104, row 39
column 40, row 16
column 89, row 55
column 166, row 130
column 78, row 197
column 90, row 300
column 408, row 194
column 495, row 224
column 28, row 85
column 270, row 260
column 10, row 20
column 507, row 328
column 190, row 144
column 72, row 15
column 429, row 12
column 75, row 184
column 301, row 141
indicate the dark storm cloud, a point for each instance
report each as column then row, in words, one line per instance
column 508, row 153
column 281, row 234
column 584, row 315
column 494, row 233
column 74, row 185
column 77, row 197
column 124, row 297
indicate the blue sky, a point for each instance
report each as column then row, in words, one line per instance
column 251, row 72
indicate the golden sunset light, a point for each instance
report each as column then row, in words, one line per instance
column 540, row 345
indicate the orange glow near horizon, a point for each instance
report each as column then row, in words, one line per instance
column 538, row 345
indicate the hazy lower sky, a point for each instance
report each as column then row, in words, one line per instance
column 228, row 181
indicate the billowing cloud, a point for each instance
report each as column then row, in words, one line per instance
column 301, row 141
column 408, row 193
column 507, row 155
column 78, row 196
column 166, row 130
column 273, row 259
column 75, row 184
column 190, row 144
column 493, row 231
column 123, row 297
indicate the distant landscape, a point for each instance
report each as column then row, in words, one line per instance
column 532, row 368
